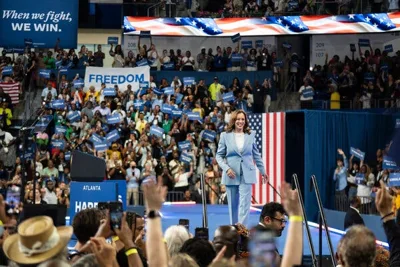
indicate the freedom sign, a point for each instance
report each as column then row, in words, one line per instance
column 116, row 76
column 39, row 24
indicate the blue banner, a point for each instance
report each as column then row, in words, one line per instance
column 278, row 63
column 156, row 130
column 113, row 119
column 359, row 178
column 57, row 104
column 78, row 83
column 167, row 109
column 363, row 42
column 209, row 135
column 58, row 143
column 193, row 116
column 103, row 146
column 63, row 71
column 236, row 57
column 144, row 85
column 109, row 92
column 228, row 97
column 7, row 70
column 259, row 43
column 112, row 40
column 141, row 92
column 186, row 158
column 357, row 153
column 236, row 38
column 189, row 80
column 176, row 113
column 73, row 116
column 389, row 163
column 145, row 34
column 247, row 44
column 60, row 129
column 142, row 63
column 169, row 91
column 112, row 136
column 95, row 138
column 44, row 73
column 87, row 195
column 169, row 66
column 67, row 156
column 389, row 48
column 184, row 145
column 394, row 179
column 308, row 92
column 39, row 24
column 138, row 104
column 157, row 91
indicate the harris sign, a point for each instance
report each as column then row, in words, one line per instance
column 42, row 22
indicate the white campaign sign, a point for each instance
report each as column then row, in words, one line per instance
column 116, row 76
column 339, row 44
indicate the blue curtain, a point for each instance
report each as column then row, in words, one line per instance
column 325, row 132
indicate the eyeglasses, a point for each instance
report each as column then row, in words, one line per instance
column 283, row 221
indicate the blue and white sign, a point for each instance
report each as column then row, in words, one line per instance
column 185, row 157
column 236, row 38
column 179, row 98
column 58, row 143
column 193, row 116
column 156, row 130
column 357, row 153
column 138, row 104
column 144, row 85
column 228, row 97
column 176, row 113
column 167, row 109
column 169, row 91
column 39, row 24
column 236, row 57
column 359, row 178
column 388, row 48
column 112, row 136
column 88, row 195
column 394, row 179
column 287, row 45
column 278, row 63
column 116, row 76
column 113, row 119
column 60, row 129
column 7, row 70
column 364, row 42
column 112, row 40
column 397, row 123
column 145, row 34
column 110, row 91
column 259, row 43
column 247, row 44
column 103, row 146
column 78, row 83
column 95, row 138
column 209, row 135
column 389, row 163
column 74, row 116
column 67, row 156
column 189, row 80
column 157, row 91
column 58, row 104
column 142, row 63
column 308, row 92
column 184, row 145
column 44, row 73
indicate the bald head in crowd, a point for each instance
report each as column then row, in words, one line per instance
column 357, row 248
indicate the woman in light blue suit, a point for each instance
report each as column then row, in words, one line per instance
column 238, row 156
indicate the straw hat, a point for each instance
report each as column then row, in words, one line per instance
column 37, row 240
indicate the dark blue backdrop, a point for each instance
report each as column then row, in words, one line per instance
column 31, row 14
column 324, row 133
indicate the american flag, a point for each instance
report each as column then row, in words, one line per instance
column 270, row 138
column 12, row 89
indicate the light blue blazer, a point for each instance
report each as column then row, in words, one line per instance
column 229, row 157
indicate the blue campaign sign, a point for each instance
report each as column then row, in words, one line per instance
column 236, row 57
column 169, row 66
column 278, row 63
column 397, row 123
column 193, row 116
column 259, row 43
column 209, row 135
column 113, row 119
column 8, row 70
column 394, row 179
column 247, row 44
column 112, row 40
column 139, row 104
column 109, row 92
column 189, row 80
column 95, row 138
column 359, row 178
column 184, row 145
column 144, row 85
column 102, row 146
column 308, row 92
column 73, row 116
column 389, row 163
column 39, row 24
column 67, row 155
column 169, row 91
column 145, row 34
column 357, row 153
column 78, row 83
column 236, row 38
column 58, row 143
column 179, row 98
column 141, row 92
column 363, row 42
column 176, row 113
column 389, row 48
column 186, row 158
column 156, row 130
column 287, row 45
column 157, row 91
column 142, row 63
column 112, row 136
column 58, row 104
column 60, row 129
column 228, row 97
column 369, row 76
column 167, row 109
column 87, row 195
column 44, row 73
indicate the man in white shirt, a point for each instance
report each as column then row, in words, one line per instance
column 49, row 89
column 50, row 196
column 105, row 111
column 306, row 101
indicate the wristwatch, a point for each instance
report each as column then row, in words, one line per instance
column 153, row 214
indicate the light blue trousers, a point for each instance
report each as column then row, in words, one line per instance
column 239, row 202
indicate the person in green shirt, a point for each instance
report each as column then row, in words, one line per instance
column 49, row 61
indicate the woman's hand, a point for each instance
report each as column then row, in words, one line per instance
column 231, row 174
column 104, row 253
